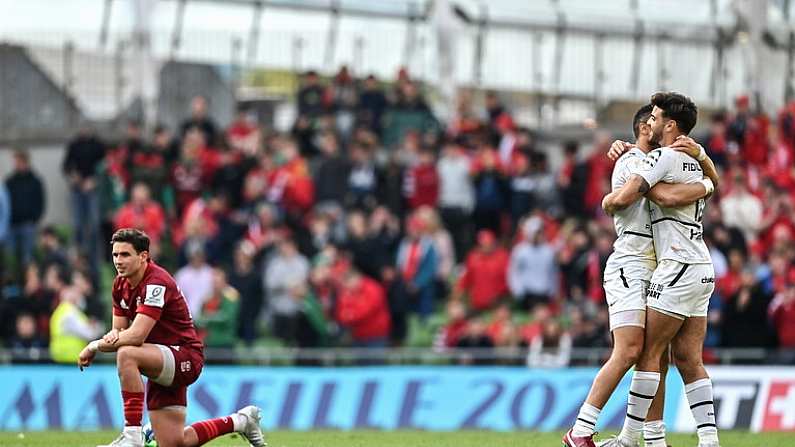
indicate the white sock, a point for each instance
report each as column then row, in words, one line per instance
column 654, row 434
column 586, row 420
column 641, row 393
column 699, row 395
column 238, row 421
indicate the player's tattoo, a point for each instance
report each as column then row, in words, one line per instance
column 644, row 186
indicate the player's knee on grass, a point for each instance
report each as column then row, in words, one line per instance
column 189, row 437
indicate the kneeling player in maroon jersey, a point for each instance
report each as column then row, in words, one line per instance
column 153, row 335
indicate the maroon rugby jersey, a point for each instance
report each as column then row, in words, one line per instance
column 157, row 296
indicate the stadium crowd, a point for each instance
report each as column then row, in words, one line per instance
column 373, row 224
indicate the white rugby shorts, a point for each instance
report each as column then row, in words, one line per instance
column 625, row 292
column 681, row 290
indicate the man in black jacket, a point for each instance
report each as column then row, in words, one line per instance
column 331, row 176
column 83, row 155
column 26, row 193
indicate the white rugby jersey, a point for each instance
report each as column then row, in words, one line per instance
column 678, row 233
column 633, row 225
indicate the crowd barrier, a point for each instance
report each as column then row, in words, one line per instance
column 388, row 398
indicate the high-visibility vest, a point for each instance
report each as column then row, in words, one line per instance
column 65, row 348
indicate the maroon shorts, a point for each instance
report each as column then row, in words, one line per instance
column 185, row 369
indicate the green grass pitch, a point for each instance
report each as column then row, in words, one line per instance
column 388, row 439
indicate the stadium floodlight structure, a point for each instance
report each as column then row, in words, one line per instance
column 561, row 61
column 473, row 19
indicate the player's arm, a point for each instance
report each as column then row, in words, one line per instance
column 654, row 169
column 635, row 188
column 120, row 323
column 690, row 147
column 671, row 195
column 135, row 335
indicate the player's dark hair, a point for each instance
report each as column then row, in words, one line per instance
column 641, row 116
column 137, row 238
column 677, row 107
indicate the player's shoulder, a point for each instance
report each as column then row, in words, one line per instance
column 158, row 276
column 155, row 272
column 635, row 152
column 666, row 151
column 631, row 159
column 654, row 156
column 158, row 285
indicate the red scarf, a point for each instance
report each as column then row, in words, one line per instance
column 412, row 261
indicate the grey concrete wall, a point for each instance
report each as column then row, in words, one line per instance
column 31, row 103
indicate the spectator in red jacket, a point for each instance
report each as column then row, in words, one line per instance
column 599, row 170
column 485, row 273
column 780, row 160
column 755, row 145
column 782, row 271
column 777, row 222
column 456, row 327
column 291, row 185
column 362, row 308
column 194, row 169
column 501, row 329
column 243, row 134
column 142, row 213
column 730, row 283
column 421, row 182
column 782, row 314
column 717, row 141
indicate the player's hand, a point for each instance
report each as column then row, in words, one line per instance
column 85, row 358
column 618, row 148
column 687, row 145
column 111, row 337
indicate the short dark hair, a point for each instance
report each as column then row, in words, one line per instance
column 677, row 107
column 641, row 116
column 50, row 230
column 137, row 238
column 571, row 146
column 22, row 154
